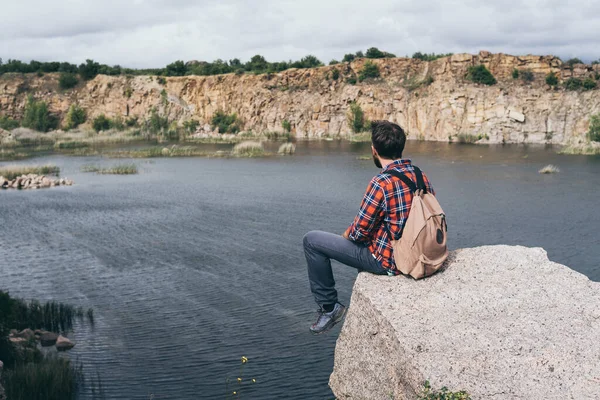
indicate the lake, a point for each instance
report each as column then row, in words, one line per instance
column 196, row 262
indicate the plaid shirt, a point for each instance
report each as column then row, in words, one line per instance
column 385, row 204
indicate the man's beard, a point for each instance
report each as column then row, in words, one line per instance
column 376, row 161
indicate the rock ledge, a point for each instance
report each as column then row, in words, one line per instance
column 501, row 322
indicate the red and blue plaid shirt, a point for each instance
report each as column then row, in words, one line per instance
column 386, row 205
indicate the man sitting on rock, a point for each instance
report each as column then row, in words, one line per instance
column 366, row 244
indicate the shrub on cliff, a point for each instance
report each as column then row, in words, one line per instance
column 572, row 61
column 37, row 116
column 573, row 84
column 429, row 57
column 356, row 118
column 75, row 117
column 527, row 76
column 480, row 74
column 67, row 80
column 515, row 73
column 589, row 84
column 227, row 123
column 369, row 70
column 348, row 57
column 89, row 69
column 374, row 52
column 177, row 68
column 551, row 79
column 101, row 123
column 286, row 125
column 594, row 130
column 309, row 61
column 335, row 74
column 8, row 123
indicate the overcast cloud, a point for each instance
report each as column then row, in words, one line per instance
column 152, row 33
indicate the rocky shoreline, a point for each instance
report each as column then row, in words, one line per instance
column 33, row 181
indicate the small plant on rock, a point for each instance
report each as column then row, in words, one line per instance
column 369, row 70
column 286, row 125
column 442, row 394
column 551, row 79
column 480, row 74
column 594, row 130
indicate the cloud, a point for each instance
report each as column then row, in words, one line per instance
column 152, row 33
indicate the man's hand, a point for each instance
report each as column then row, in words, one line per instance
column 345, row 235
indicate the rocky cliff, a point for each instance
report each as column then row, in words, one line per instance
column 432, row 100
column 500, row 323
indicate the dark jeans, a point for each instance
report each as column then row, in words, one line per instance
column 319, row 248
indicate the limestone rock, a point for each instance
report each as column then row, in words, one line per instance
column 63, row 344
column 48, row 339
column 500, row 322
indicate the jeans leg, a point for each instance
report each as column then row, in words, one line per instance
column 319, row 248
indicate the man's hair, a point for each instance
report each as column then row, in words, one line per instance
column 388, row 139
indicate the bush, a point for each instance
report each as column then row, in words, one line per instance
column 176, row 69
column 589, row 84
column 527, row 76
column 161, row 80
column 37, row 116
column 594, row 130
column 351, row 81
column 551, row 79
column 369, row 70
column 515, row 73
column 67, row 80
column 356, row 119
column 335, row 74
column 333, row 62
column 248, row 149
column 89, row 70
column 191, row 125
column 75, row 117
column 573, row 84
column 348, row 58
column 286, row 125
column 374, row 52
column 480, row 74
column 443, row 394
column 572, row 61
column 8, row 123
column 156, row 125
column 227, row 123
column 429, row 57
column 101, row 123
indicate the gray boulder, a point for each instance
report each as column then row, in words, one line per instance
column 63, row 344
column 500, row 323
column 48, row 339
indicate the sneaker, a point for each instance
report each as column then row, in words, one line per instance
column 326, row 320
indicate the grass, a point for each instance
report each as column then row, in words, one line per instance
column 360, row 137
column 365, row 157
column 587, row 149
column 121, row 169
column 470, row 139
column 287, row 149
column 248, row 149
column 51, row 378
column 549, row 169
column 13, row 171
column 443, row 394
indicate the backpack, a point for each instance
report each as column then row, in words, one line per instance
column 421, row 250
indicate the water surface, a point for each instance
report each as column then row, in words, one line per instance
column 196, row 262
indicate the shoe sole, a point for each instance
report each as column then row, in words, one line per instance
column 335, row 322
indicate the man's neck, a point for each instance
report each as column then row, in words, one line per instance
column 384, row 162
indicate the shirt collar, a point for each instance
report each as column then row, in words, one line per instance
column 397, row 163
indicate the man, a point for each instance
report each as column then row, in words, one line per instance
column 366, row 244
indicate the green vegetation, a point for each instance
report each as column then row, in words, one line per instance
column 101, row 123
column 480, row 74
column 75, row 117
column 286, row 125
column 527, row 76
column 13, row 171
column 356, row 119
column 351, row 81
column 469, row 139
column 121, row 169
column 551, row 79
column 37, row 116
column 588, row 149
column 413, row 83
column 8, row 123
column 594, row 129
column 227, row 123
column 335, row 74
column 191, row 125
column 374, row 52
column 128, row 92
column 51, row 378
column 515, row 73
column 369, row 70
column 67, row 80
column 573, row 84
column 429, row 57
column 442, row 394
column 589, row 84
column 572, row 61
column 248, row 149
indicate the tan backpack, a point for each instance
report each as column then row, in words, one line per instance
column 422, row 250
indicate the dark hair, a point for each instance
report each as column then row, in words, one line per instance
column 388, row 139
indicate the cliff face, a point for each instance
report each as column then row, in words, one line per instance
column 501, row 322
column 317, row 105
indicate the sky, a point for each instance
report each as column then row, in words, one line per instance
column 153, row 33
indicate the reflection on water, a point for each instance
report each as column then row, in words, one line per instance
column 196, row 262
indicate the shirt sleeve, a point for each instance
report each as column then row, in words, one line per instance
column 363, row 227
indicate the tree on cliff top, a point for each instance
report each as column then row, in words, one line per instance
column 374, row 52
column 480, row 74
column 177, row 68
column 89, row 69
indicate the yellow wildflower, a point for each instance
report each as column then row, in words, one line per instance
column 234, row 392
column 244, row 360
column 239, row 379
column 253, row 380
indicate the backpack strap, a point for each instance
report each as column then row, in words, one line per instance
column 408, row 182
